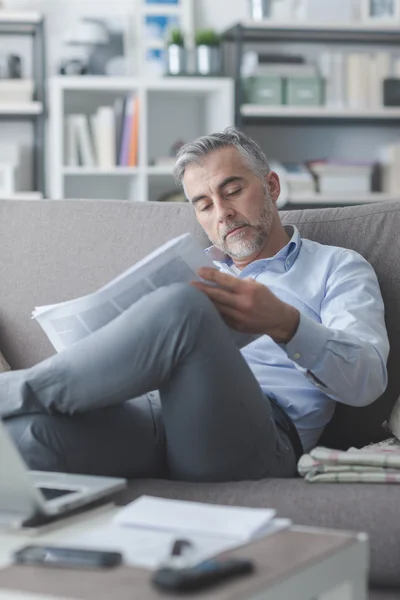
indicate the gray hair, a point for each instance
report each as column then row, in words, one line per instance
column 203, row 146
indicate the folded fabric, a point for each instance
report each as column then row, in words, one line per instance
column 4, row 366
column 377, row 463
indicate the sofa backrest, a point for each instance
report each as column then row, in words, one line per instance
column 52, row 251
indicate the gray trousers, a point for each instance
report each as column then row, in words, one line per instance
column 92, row 408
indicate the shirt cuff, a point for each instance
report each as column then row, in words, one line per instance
column 308, row 343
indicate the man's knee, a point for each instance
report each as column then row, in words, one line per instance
column 186, row 300
column 37, row 441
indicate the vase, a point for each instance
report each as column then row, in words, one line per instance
column 208, row 60
column 260, row 9
column 176, row 60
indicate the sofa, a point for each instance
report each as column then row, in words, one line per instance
column 57, row 250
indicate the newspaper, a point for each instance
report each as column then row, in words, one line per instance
column 177, row 261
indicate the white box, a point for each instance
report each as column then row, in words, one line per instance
column 16, row 90
column 326, row 11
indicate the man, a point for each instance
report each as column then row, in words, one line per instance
column 218, row 413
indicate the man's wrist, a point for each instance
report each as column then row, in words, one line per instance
column 289, row 325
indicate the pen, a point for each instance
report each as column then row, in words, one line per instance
column 178, row 558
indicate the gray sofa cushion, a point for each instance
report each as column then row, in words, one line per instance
column 373, row 231
column 364, row 507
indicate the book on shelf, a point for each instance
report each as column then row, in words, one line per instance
column 295, row 178
column 129, row 145
column 103, row 127
column 107, row 138
column 390, row 169
column 82, row 150
column 355, row 79
column 134, row 135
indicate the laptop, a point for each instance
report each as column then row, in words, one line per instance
column 32, row 497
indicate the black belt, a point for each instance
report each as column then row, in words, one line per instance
column 284, row 421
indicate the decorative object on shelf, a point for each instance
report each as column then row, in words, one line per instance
column 381, row 10
column 104, row 41
column 154, row 21
column 10, row 66
column 260, row 9
column 208, row 52
column 169, row 161
column 176, row 53
column 391, row 92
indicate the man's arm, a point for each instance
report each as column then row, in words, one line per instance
column 345, row 355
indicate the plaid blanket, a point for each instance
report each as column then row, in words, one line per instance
column 378, row 463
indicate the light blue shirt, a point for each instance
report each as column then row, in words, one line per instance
column 340, row 348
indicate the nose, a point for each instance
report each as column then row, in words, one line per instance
column 225, row 211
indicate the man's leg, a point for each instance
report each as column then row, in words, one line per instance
column 218, row 423
column 121, row 441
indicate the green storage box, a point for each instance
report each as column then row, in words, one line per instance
column 267, row 90
column 305, row 91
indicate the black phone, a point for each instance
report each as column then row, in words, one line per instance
column 200, row 576
column 73, row 558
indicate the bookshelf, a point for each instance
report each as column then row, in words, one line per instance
column 171, row 109
column 300, row 134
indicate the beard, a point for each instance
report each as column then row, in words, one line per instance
column 249, row 240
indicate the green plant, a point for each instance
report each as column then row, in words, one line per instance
column 207, row 37
column 175, row 36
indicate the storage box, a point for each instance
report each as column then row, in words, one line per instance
column 264, row 89
column 304, row 91
column 16, row 90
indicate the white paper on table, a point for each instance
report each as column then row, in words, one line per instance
column 148, row 548
column 193, row 518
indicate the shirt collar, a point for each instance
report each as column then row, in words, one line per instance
column 288, row 253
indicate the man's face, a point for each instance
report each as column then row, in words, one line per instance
column 232, row 204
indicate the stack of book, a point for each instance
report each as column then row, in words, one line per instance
column 390, row 169
column 107, row 138
column 355, row 80
column 342, row 176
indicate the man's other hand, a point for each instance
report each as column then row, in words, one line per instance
column 248, row 306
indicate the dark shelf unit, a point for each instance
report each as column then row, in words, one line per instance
column 33, row 27
column 248, row 32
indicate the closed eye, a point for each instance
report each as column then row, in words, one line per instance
column 205, row 207
column 234, row 192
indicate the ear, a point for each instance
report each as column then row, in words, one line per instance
column 274, row 185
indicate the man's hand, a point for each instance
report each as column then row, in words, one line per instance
column 248, row 306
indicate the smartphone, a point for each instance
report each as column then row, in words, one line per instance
column 73, row 558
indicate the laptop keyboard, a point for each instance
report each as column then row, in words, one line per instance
column 50, row 493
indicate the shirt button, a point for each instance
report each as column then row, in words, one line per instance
column 297, row 355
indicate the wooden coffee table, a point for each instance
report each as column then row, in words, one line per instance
column 299, row 563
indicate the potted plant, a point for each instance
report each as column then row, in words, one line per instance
column 176, row 52
column 208, row 52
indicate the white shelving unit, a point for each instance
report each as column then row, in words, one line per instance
column 171, row 109
column 21, row 109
